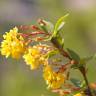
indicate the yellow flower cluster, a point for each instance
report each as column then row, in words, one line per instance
column 55, row 71
column 13, row 44
column 53, row 79
column 33, row 57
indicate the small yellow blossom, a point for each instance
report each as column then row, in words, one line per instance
column 53, row 79
column 33, row 57
column 79, row 94
column 13, row 44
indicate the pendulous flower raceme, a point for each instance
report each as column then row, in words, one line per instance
column 42, row 46
column 16, row 45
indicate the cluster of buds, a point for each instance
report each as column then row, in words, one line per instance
column 39, row 46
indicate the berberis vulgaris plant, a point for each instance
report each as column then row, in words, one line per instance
column 42, row 46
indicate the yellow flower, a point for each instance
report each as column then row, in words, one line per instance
column 53, row 79
column 79, row 94
column 33, row 57
column 13, row 44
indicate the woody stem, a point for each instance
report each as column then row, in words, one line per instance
column 83, row 72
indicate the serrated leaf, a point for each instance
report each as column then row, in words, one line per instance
column 73, row 55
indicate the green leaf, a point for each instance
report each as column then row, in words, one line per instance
column 81, row 63
column 60, row 40
column 76, row 82
column 43, row 27
column 59, row 24
column 49, row 26
column 86, row 59
column 51, row 53
column 83, row 84
column 79, row 84
column 73, row 55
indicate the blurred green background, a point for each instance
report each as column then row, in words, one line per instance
column 16, row 79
